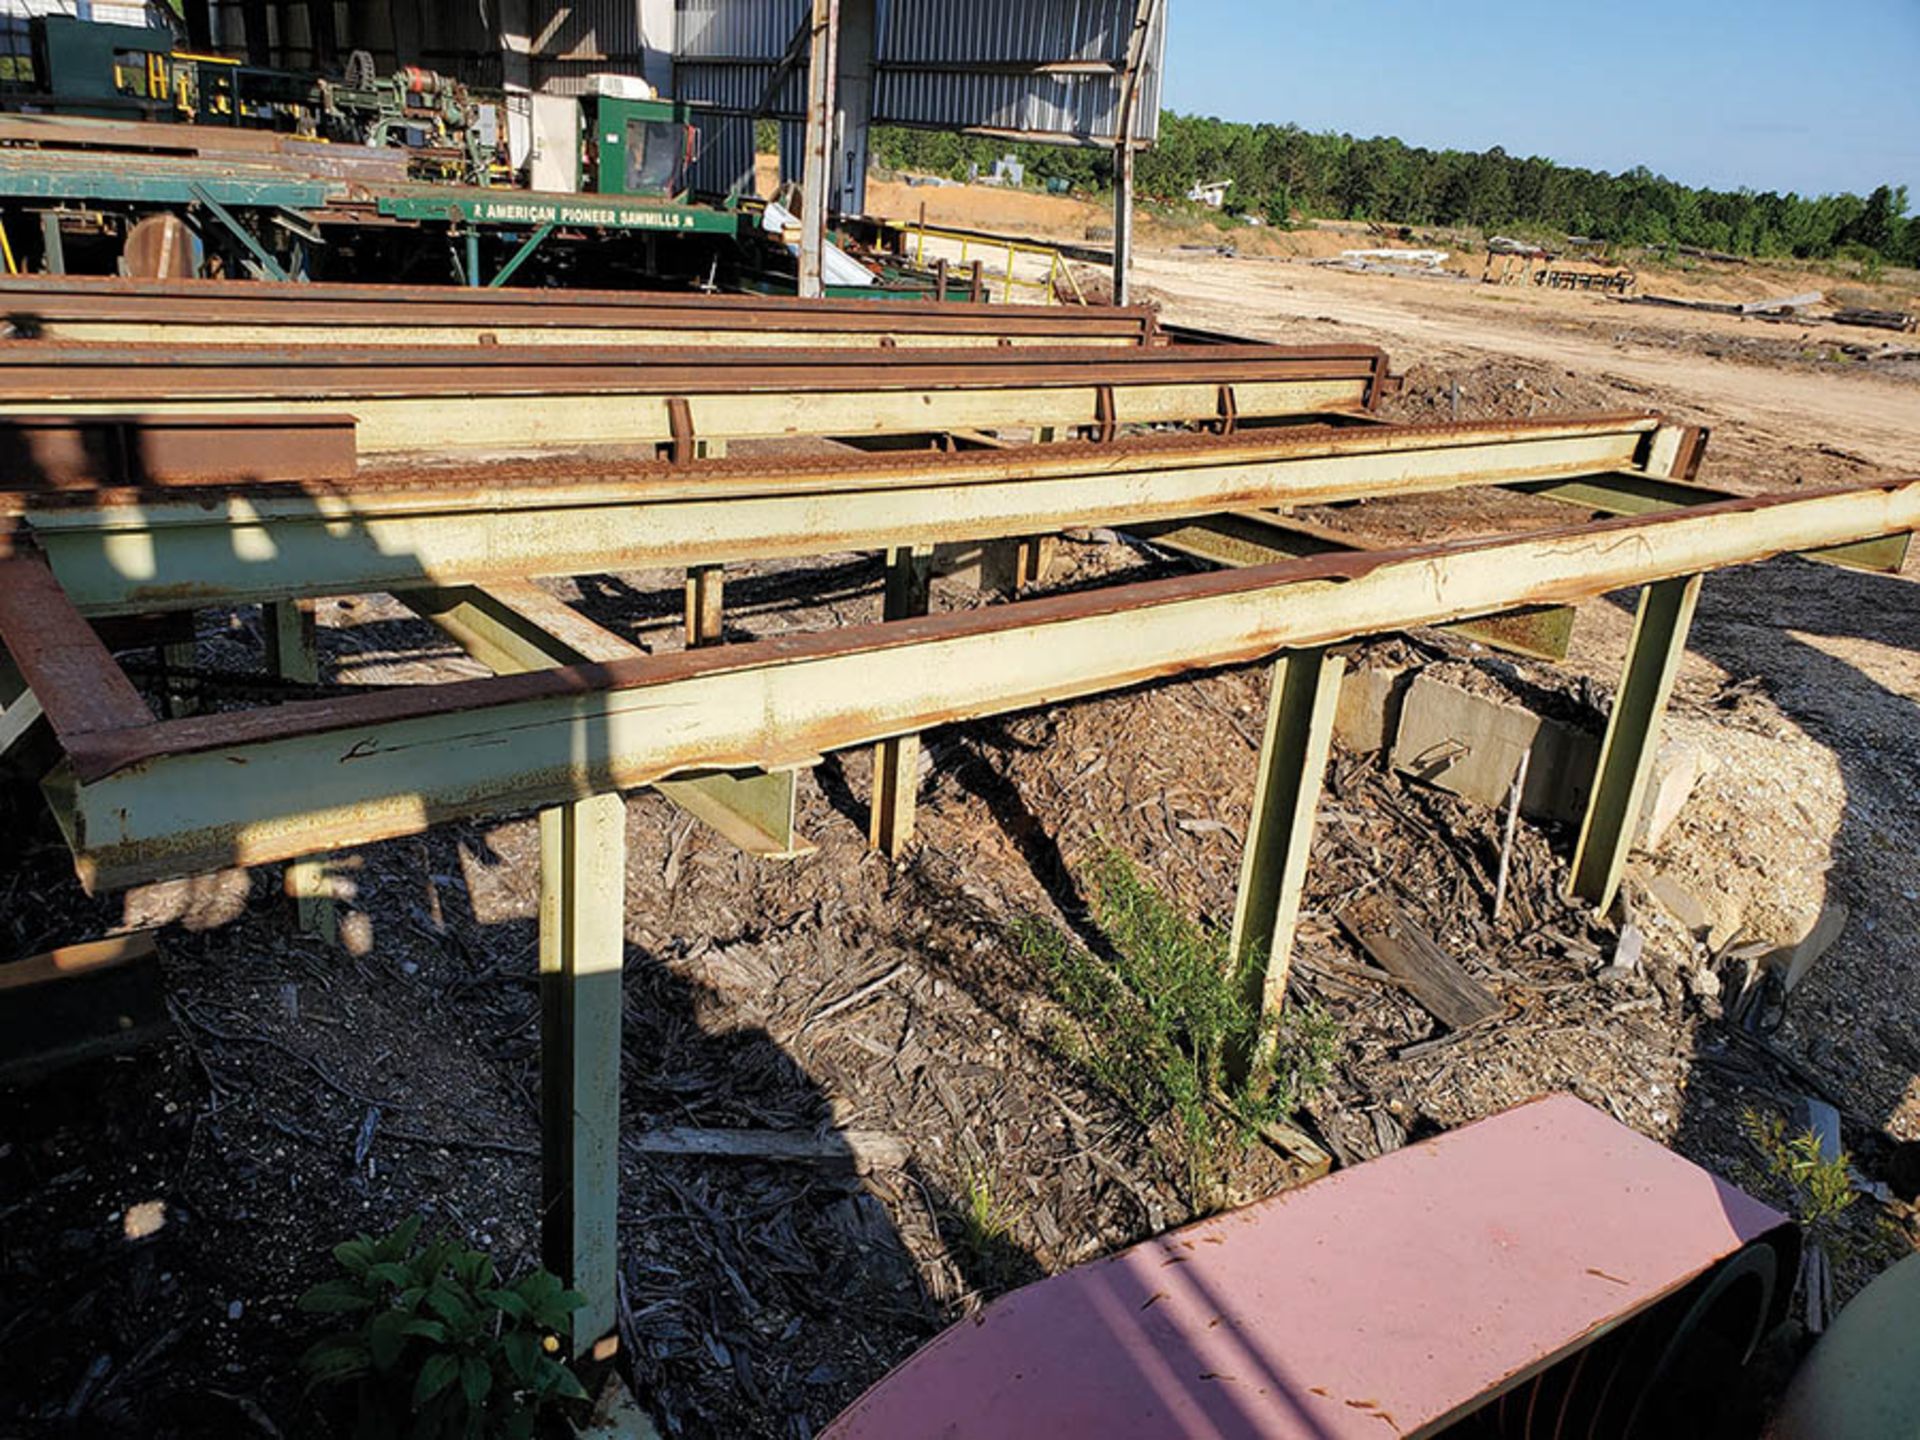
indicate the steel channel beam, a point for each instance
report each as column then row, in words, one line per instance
column 493, row 398
column 61, row 452
column 1629, row 494
column 153, row 552
column 93, row 309
column 158, row 800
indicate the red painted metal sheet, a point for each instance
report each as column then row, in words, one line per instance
column 1376, row 1302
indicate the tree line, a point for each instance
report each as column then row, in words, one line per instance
column 1282, row 174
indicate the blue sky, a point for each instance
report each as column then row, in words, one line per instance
column 1769, row 94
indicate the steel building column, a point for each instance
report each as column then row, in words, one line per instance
column 1273, row 867
column 1633, row 736
column 582, row 945
column 1123, row 153
column 853, row 106
column 822, row 75
column 896, row 760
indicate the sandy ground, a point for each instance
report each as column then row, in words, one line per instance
column 1442, row 323
column 1802, row 682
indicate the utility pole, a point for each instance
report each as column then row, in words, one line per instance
column 1123, row 151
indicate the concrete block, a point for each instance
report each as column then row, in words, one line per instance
column 1471, row 745
column 1368, row 714
column 1678, row 769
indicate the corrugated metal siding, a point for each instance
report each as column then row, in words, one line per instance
column 726, row 50
column 737, row 29
column 1002, row 31
column 723, row 155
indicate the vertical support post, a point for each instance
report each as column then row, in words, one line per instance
column 817, row 176
column 1145, row 15
column 293, row 653
column 706, row 605
column 896, row 762
column 53, row 245
column 1273, row 867
column 582, row 943
column 293, row 640
column 473, row 257
column 1633, row 735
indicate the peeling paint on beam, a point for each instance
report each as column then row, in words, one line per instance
column 180, row 797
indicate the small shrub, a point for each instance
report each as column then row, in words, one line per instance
column 1157, row 1024
column 1821, row 1188
column 436, row 1348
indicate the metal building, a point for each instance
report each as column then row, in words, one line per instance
column 1069, row 72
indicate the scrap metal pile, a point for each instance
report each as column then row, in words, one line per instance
column 175, row 449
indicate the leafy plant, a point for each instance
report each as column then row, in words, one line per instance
column 436, row 1348
column 1156, row 1023
column 1821, row 1187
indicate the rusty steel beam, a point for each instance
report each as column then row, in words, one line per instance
column 86, row 452
column 491, row 398
column 137, row 551
column 94, row 310
column 143, row 801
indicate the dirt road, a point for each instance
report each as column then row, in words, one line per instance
column 1441, row 323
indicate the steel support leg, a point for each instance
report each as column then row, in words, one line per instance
column 520, row 256
column 582, row 943
column 53, row 243
column 706, row 605
column 1293, row 762
column 896, row 762
column 1633, row 735
column 293, row 653
column 473, row 258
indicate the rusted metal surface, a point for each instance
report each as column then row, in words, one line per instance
column 60, row 371
column 165, row 799
column 1597, row 558
column 495, row 399
column 45, row 302
column 56, row 452
column 1392, row 1298
column 63, row 661
column 119, row 550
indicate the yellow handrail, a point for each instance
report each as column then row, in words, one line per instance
column 1056, row 264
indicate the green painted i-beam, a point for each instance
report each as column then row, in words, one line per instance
column 1273, row 867
column 896, row 760
column 1633, row 735
column 583, row 849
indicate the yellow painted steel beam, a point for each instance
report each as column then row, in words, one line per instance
column 558, row 419
column 170, row 550
column 165, row 799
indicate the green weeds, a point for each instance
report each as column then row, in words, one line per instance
column 1156, row 1022
column 435, row 1348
